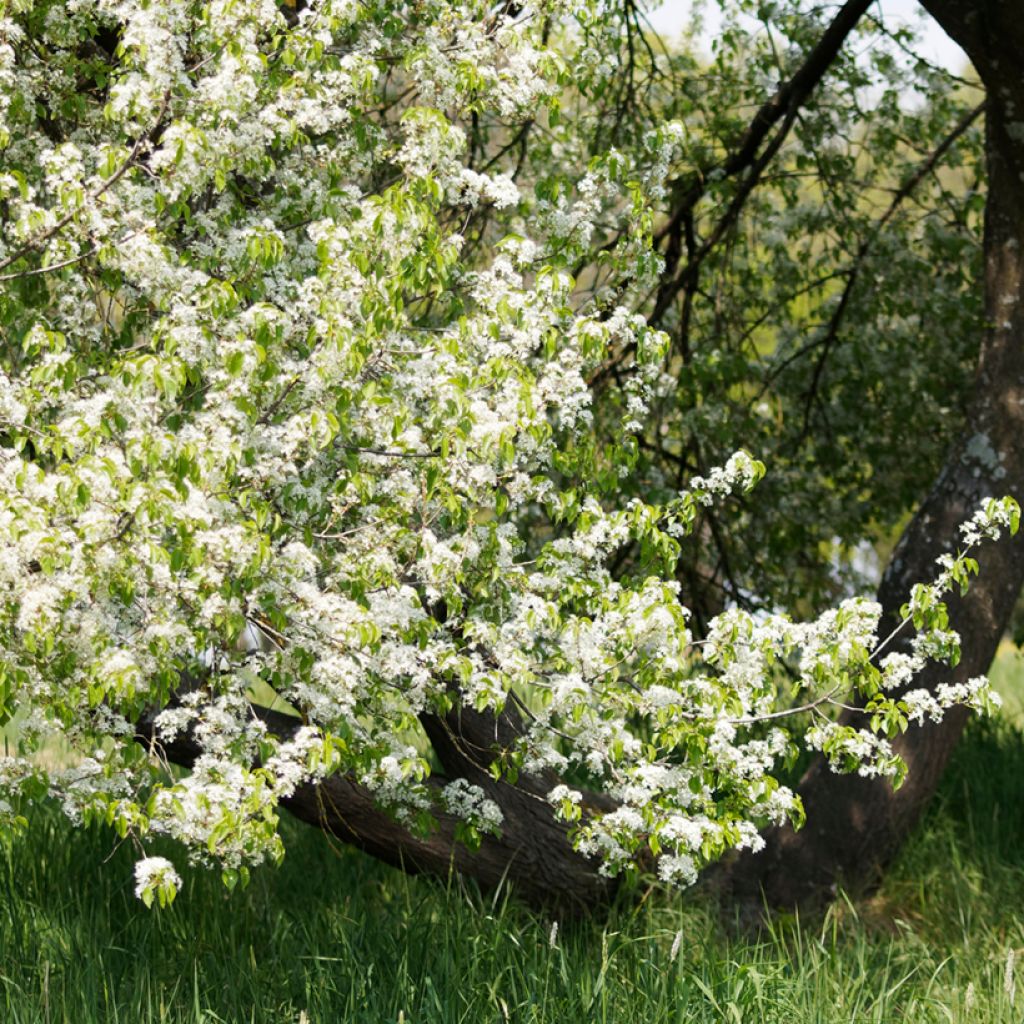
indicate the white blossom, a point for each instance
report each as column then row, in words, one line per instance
column 155, row 873
column 296, row 449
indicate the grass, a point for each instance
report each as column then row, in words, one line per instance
column 335, row 937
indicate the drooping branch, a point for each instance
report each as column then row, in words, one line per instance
column 533, row 852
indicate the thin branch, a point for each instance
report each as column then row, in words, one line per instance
column 829, row 338
column 36, row 243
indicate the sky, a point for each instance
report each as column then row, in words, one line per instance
column 935, row 44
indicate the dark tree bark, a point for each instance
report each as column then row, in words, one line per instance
column 854, row 826
column 533, row 852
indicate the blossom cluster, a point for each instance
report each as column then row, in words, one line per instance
column 299, row 423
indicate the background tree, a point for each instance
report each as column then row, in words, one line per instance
column 873, row 822
column 324, row 476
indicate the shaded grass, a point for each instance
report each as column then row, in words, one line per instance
column 338, row 937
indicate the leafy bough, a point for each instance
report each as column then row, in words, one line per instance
column 299, row 476
column 683, row 737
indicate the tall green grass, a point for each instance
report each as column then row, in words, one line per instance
column 332, row 936
column 337, row 937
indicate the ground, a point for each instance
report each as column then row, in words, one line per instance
column 336, row 936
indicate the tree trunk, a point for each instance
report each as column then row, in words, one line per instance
column 533, row 852
column 855, row 826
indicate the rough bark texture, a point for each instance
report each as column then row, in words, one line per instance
column 854, row 826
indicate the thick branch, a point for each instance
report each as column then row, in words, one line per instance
column 787, row 99
column 747, row 155
column 533, row 853
column 687, row 276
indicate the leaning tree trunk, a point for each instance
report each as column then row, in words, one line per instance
column 854, row 826
column 533, row 852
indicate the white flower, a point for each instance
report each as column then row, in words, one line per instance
column 155, row 874
column 470, row 803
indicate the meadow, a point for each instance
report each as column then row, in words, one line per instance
column 332, row 936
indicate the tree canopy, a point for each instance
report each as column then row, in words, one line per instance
column 383, row 391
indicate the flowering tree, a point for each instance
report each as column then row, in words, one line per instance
column 335, row 366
